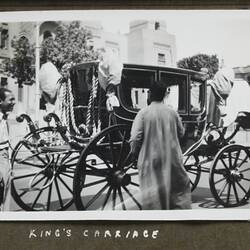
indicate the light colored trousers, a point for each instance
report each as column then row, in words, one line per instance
column 5, row 173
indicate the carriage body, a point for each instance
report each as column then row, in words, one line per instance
column 187, row 95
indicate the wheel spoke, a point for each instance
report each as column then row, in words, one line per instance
column 65, row 157
column 70, row 165
column 63, row 182
column 97, row 196
column 243, row 189
column 135, row 184
column 113, row 199
column 26, row 191
column 58, row 193
column 132, row 197
column 112, row 150
column 236, row 159
column 222, row 160
column 121, row 150
column 70, row 160
column 68, row 171
column 220, row 180
column 70, row 176
column 222, row 189
column 191, row 172
column 34, row 153
column 186, row 160
column 242, row 171
column 243, row 161
column 99, row 154
column 49, row 197
column 192, row 183
column 235, row 191
column 57, row 159
column 246, row 179
column 100, row 172
column 23, row 176
column 230, row 160
column 121, row 198
column 30, row 164
column 39, row 194
column 106, row 198
column 228, row 191
column 94, row 183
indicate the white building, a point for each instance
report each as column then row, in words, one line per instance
column 147, row 42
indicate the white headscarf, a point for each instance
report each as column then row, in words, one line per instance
column 223, row 81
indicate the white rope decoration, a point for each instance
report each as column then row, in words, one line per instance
column 91, row 108
column 68, row 114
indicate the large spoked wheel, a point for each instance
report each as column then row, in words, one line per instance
column 43, row 167
column 105, row 177
column 193, row 168
column 230, row 176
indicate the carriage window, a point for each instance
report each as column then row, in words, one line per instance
column 196, row 97
column 176, row 95
column 172, row 96
column 135, row 87
column 139, row 97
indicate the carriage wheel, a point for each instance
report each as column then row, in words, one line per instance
column 193, row 168
column 105, row 177
column 230, row 176
column 43, row 179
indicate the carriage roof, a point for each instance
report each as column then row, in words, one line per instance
column 141, row 66
column 161, row 68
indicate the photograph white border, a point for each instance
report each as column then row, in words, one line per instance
column 152, row 215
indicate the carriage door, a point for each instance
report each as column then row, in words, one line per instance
column 176, row 94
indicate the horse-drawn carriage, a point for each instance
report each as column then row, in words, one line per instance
column 87, row 161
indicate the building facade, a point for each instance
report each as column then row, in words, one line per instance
column 150, row 43
column 147, row 42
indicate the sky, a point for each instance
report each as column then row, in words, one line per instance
column 225, row 33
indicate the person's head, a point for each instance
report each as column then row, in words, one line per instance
column 157, row 91
column 7, row 100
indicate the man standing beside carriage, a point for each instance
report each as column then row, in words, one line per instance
column 155, row 135
column 7, row 102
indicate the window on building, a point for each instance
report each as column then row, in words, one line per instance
column 4, row 39
column 161, row 59
column 157, row 25
column 4, row 82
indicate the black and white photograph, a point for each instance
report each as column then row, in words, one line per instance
column 125, row 114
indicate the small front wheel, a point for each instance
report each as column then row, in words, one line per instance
column 43, row 167
column 230, row 176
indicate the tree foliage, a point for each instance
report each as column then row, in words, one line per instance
column 199, row 61
column 70, row 45
column 21, row 66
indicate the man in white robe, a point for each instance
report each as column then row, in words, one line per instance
column 155, row 134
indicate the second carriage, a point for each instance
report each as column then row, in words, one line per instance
column 87, row 162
